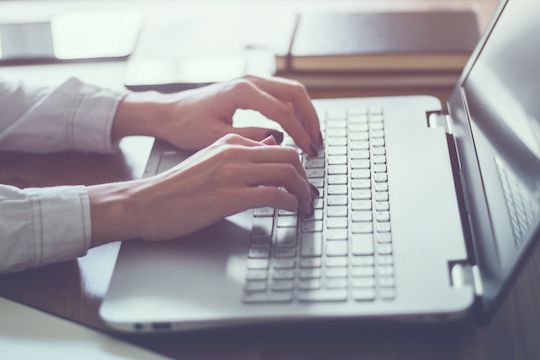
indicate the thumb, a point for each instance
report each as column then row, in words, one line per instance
column 257, row 134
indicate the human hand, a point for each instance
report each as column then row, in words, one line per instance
column 196, row 118
column 231, row 175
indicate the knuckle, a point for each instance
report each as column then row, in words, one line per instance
column 231, row 138
column 289, row 171
column 242, row 86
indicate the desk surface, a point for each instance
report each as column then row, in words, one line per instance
column 75, row 289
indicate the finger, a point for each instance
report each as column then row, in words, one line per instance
column 267, row 196
column 270, row 141
column 296, row 93
column 278, row 154
column 280, row 175
column 248, row 96
column 253, row 133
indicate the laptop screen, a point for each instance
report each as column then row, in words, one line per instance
column 501, row 167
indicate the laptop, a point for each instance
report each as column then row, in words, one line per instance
column 424, row 214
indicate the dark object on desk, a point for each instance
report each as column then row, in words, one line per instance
column 404, row 41
column 70, row 37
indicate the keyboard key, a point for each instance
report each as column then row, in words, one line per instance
column 336, row 114
column 379, row 168
column 381, row 196
column 373, row 112
column 259, row 297
column 281, row 274
column 382, row 205
column 365, row 294
column 362, row 244
column 377, row 142
column 283, row 263
column 358, row 128
column 360, row 174
column 337, row 169
column 333, row 200
column 257, row 275
column 312, row 226
column 358, row 136
column 317, row 182
column 337, row 160
column 284, row 252
column 385, row 260
column 336, row 261
column 252, row 286
column 376, row 126
column 380, row 177
column 357, row 110
column 363, row 282
column 382, row 216
column 383, row 227
column 361, row 216
column 318, row 203
column 262, row 227
column 336, row 272
column 311, row 244
column 377, row 134
column 336, row 211
column 322, row 295
column 337, row 189
column 336, row 222
column 337, row 150
column 383, row 237
column 361, row 205
column 286, row 213
column 315, row 173
column 336, row 248
column 384, row 249
column 361, row 194
column 265, row 211
column 336, row 125
column 337, row 179
column 336, row 234
column 336, row 283
column 361, row 184
column 286, row 237
column 259, row 253
column 317, row 215
column 359, row 154
column 381, row 186
column 387, row 293
column 310, row 263
column 360, row 164
column 310, row 284
column 379, row 151
column 287, row 221
column 258, row 264
column 386, row 281
column 363, row 260
column 358, row 119
column 363, row 271
column 314, row 163
column 336, row 141
column 387, row 270
column 359, row 145
column 379, row 159
column 282, row 285
column 362, row 228
column 336, row 133
column 314, row 273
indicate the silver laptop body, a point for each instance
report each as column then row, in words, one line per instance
column 434, row 214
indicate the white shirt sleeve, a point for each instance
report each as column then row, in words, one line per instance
column 41, row 226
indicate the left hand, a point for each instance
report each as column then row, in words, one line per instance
column 194, row 119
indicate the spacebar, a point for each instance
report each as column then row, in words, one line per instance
column 326, row 295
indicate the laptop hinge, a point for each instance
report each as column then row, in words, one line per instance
column 467, row 275
column 438, row 119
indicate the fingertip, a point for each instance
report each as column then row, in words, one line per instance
column 277, row 135
column 270, row 140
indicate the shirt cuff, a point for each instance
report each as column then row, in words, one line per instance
column 92, row 118
column 62, row 223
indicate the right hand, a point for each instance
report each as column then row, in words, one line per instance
column 229, row 176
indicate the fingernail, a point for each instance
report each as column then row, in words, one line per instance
column 320, row 139
column 314, row 190
column 278, row 135
column 313, row 149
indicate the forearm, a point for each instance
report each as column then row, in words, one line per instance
column 113, row 212
column 139, row 114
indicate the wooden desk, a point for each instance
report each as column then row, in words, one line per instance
column 75, row 289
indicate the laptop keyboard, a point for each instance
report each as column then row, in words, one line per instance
column 344, row 250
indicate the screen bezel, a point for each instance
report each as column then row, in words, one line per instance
column 460, row 120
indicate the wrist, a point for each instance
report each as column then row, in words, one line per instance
column 138, row 113
column 114, row 218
